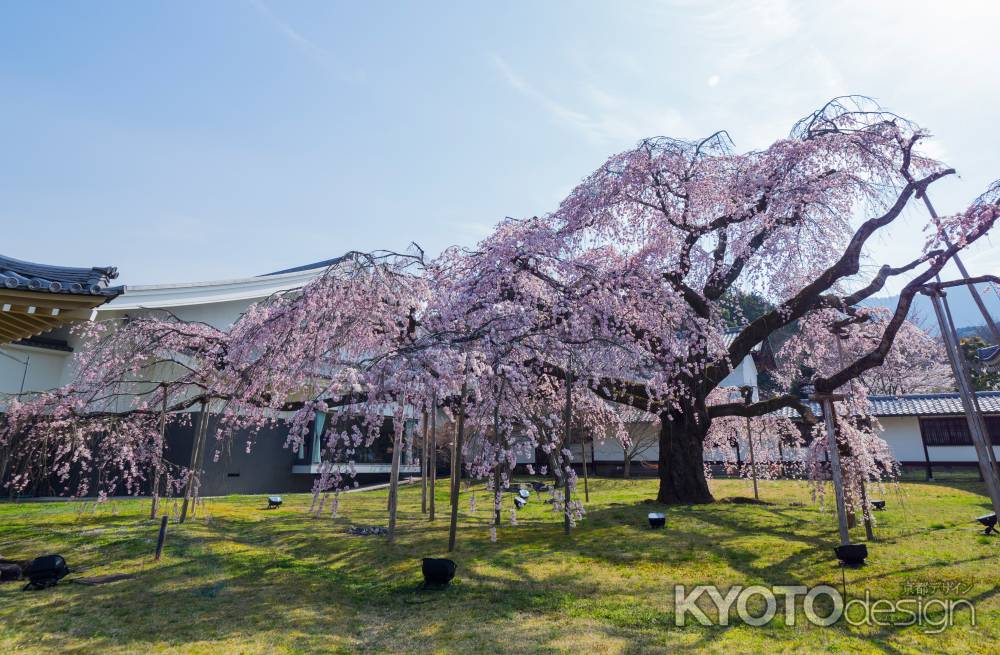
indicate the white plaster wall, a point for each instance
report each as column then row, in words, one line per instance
column 902, row 433
column 743, row 375
column 45, row 369
column 220, row 315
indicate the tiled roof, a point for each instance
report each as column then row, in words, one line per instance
column 27, row 276
column 989, row 357
column 918, row 404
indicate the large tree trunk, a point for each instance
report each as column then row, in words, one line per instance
column 682, row 461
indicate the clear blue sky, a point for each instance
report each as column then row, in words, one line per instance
column 188, row 141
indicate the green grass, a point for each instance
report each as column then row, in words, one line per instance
column 238, row 579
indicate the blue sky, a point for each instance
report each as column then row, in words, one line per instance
column 188, row 141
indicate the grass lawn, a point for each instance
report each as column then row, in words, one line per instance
column 238, row 579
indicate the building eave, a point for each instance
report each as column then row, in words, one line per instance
column 161, row 296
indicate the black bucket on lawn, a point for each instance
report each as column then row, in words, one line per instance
column 657, row 520
column 878, row 505
column 852, row 554
column 45, row 571
column 438, row 572
column 989, row 521
column 10, row 571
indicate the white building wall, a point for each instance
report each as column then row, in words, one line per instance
column 45, row 369
column 218, row 304
column 902, row 433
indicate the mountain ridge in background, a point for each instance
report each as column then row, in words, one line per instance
column 964, row 311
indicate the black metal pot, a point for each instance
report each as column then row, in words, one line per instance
column 438, row 572
column 878, row 504
column 990, row 521
column 45, row 571
column 852, row 554
column 657, row 520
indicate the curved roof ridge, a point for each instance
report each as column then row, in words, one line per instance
column 31, row 276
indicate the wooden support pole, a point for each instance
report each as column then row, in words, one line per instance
column 397, row 448
column 568, row 431
column 866, row 511
column 433, row 454
column 456, row 460
column 748, row 399
column 497, row 478
column 162, row 537
column 753, row 461
column 826, row 401
column 967, row 376
column 973, row 291
column 927, row 455
column 424, row 470
column 159, row 457
column 977, row 428
column 781, row 458
column 197, row 449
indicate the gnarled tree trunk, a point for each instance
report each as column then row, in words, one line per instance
column 682, row 461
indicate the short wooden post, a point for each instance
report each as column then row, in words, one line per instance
column 161, row 538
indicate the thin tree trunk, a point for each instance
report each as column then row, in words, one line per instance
column 586, row 482
column 753, row 460
column 554, row 469
column 456, row 460
column 397, row 448
column 568, row 431
column 423, row 466
column 627, row 469
column 196, row 457
column 497, row 491
column 865, row 512
column 159, row 458
column 433, row 453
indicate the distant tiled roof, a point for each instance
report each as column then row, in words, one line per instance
column 989, row 357
column 918, row 404
column 27, row 276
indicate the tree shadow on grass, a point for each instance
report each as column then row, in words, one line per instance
column 279, row 580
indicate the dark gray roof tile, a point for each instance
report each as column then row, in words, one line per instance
column 28, row 276
column 918, row 404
